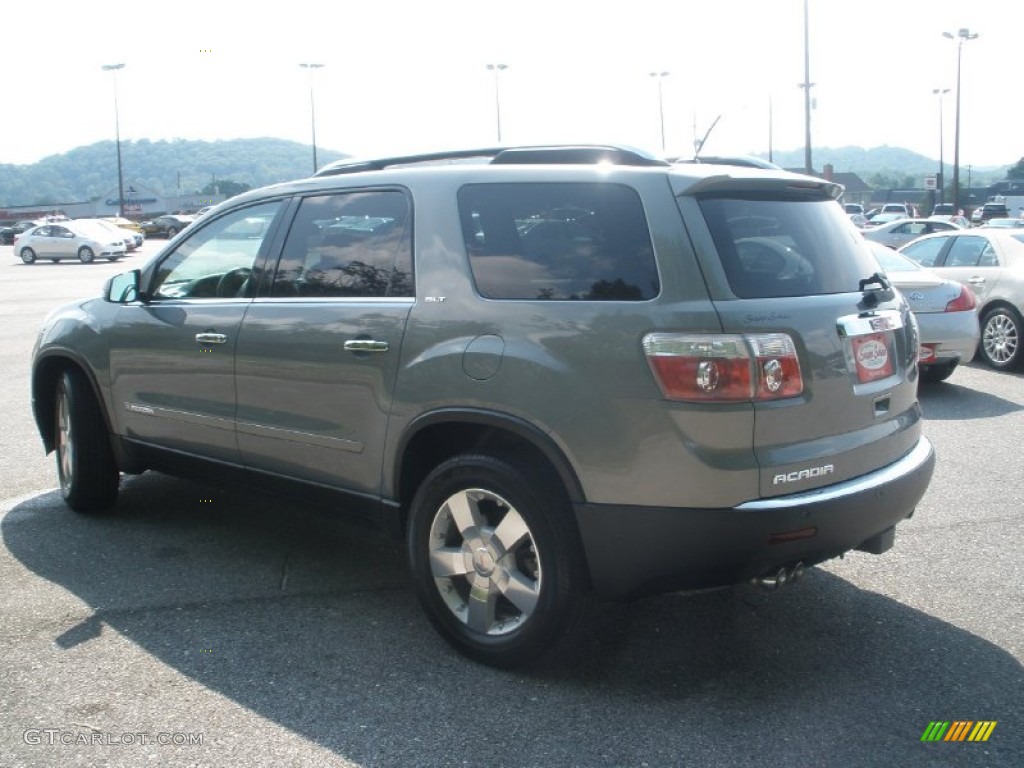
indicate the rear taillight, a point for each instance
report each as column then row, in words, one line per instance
column 723, row 367
column 964, row 301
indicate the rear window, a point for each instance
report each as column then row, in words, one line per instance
column 558, row 241
column 774, row 248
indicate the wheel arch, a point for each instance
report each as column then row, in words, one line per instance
column 45, row 374
column 437, row 436
column 999, row 304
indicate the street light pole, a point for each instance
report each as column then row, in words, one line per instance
column 312, row 108
column 496, row 69
column 661, row 105
column 807, row 85
column 962, row 34
column 117, row 133
column 940, row 92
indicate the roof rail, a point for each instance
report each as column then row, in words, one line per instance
column 575, row 154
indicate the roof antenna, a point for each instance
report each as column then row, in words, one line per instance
column 699, row 145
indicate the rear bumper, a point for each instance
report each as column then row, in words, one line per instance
column 953, row 335
column 632, row 551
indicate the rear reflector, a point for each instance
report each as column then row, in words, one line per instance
column 722, row 367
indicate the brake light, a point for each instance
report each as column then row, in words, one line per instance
column 716, row 367
column 964, row 301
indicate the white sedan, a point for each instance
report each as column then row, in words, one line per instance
column 900, row 232
column 68, row 240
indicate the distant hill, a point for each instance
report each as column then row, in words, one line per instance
column 162, row 167
column 885, row 161
column 165, row 167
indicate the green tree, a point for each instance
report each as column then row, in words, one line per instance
column 1016, row 171
column 225, row 187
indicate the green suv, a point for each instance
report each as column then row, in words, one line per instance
column 554, row 371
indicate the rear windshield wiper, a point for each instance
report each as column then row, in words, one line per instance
column 872, row 296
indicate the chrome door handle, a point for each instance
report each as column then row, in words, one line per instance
column 976, row 280
column 211, row 338
column 366, row 345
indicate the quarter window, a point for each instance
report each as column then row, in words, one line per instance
column 925, row 252
column 349, row 244
column 558, row 241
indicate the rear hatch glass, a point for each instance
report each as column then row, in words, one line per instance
column 793, row 264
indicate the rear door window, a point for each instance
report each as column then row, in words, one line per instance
column 348, row 244
column 558, row 241
column 773, row 247
column 970, row 251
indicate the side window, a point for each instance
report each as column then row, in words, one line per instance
column 218, row 260
column 925, row 252
column 558, row 241
column 988, row 256
column 348, row 244
column 965, row 252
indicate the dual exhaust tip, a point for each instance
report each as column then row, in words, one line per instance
column 781, row 577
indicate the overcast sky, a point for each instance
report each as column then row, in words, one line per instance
column 410, row 75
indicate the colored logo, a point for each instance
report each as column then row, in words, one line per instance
column 959, row 730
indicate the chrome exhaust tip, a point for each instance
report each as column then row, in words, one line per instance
column 780, row 578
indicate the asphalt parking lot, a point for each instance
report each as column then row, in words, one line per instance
column 206, row 626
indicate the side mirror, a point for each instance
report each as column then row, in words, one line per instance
column 122, row 288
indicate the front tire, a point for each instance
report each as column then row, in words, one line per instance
column 86, row 255
column 86, row 469
column 496, row 558
column 171, row 232
column 1000, row 345
column 28, row 255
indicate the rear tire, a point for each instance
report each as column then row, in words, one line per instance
column 27, row 255
column 496, row 558
column 86, row 468
column 1000, row 345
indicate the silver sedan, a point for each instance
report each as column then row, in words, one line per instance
column 945, row 310
column 902, row 231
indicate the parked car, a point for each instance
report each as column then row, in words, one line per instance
column 854, row 208
column 906, row 210
column 132, row 240
column 124, row 223
column 945, row 311
column 557, row 370
column 991, row 262
column 877, row 219
column 858, row 220
column 990, row 211
column 68, row 240
column 944, row 209
column 8, row 234
column 902, row 231
column 166, row 226
column 1003, row 224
